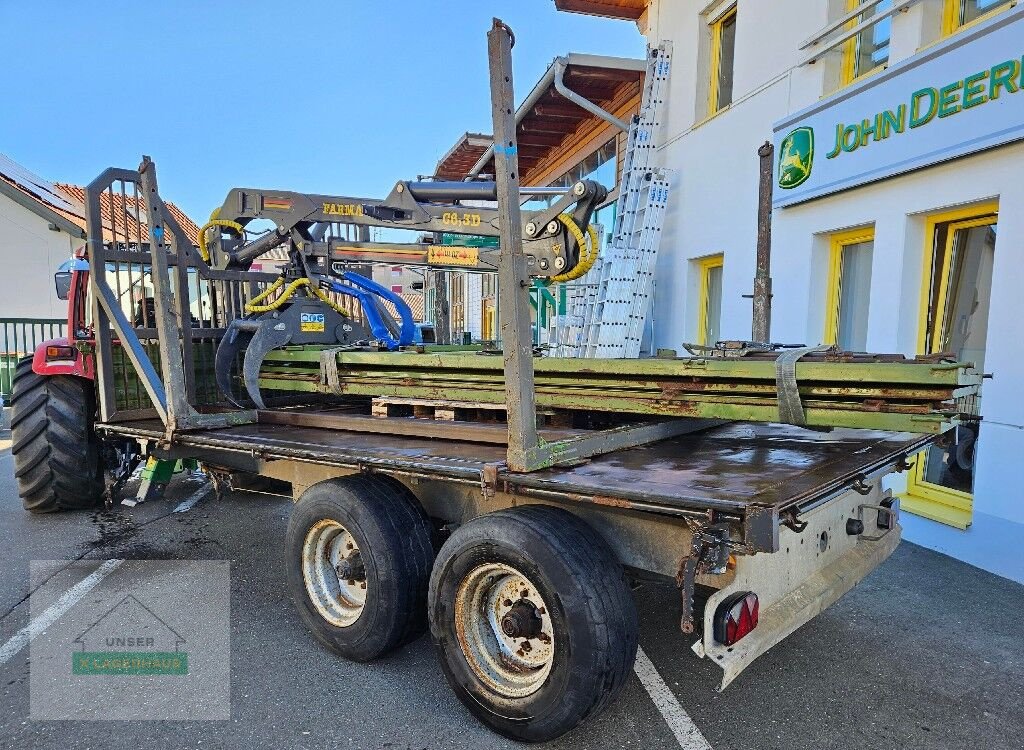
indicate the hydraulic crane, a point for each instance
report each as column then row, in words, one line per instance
column 302, row 306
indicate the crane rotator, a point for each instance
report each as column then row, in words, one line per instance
column 303, row 305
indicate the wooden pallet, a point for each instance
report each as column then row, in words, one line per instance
column 445, row 411
column 460, row 411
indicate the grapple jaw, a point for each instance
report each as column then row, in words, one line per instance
column 256, row 337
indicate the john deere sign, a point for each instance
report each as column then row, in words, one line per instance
column 796, row 157
column 959, row 97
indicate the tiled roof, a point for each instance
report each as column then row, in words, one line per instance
column 119, row 213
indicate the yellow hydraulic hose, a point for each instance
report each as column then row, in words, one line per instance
column 588, row 250
column 204, row 251
column 254, row 306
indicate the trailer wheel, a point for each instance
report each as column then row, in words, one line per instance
column 359, row 554
column 533, row 620
column 56, row 452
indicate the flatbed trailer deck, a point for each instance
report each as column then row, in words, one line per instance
column 782, row 499
column 732, row 469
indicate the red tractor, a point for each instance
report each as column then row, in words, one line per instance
column 58, row 458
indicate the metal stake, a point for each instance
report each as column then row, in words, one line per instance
column 513, row 277
column 167, row 324
column 762, row 315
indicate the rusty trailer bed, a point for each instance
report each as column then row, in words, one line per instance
column 733, row 469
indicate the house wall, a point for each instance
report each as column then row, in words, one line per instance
column 713, row 210
column 30, row 253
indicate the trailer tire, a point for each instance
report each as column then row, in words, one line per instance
column 373, row 529
column 539, row 574
column 57, row 457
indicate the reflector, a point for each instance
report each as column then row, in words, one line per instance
column 60, row 352
column 735, row 617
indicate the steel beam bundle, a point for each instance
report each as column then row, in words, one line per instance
column 860, row 391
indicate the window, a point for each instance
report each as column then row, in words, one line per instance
column 959, row 13
column 954, row 318
column 709, row 319
column 723, row 53
column 869, row 50
column 848, row 290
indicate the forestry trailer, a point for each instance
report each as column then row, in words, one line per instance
column 501, row 499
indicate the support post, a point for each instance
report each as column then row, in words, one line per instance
column 442, row 304
column 167, row 323
column 513, row 278
column 762, row 314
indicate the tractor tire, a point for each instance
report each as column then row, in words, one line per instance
column 359, row 552
column 57, row 457
column 533, row 620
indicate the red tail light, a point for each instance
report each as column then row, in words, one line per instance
column 60, row 352
column 736, row 617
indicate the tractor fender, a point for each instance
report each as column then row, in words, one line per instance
column 81, row 366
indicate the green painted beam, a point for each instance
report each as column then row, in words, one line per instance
column 903, row 395
column 816, row 416
column 905, row 372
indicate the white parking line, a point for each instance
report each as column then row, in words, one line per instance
column 56, row 610
column 190, row 502
column 682, row 726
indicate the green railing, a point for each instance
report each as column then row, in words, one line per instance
column 19, row 337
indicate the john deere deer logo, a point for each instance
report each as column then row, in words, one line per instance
column 796, row 157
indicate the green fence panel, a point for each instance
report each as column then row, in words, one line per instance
column 18, row 338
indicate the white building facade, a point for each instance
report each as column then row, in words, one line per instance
column 895, row 226
column 35, row 238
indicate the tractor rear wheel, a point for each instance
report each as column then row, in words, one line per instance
column 56, row 452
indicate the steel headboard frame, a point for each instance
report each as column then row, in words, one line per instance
column 169, row 339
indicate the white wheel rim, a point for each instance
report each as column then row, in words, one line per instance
column 491, row 601
column 331, row 571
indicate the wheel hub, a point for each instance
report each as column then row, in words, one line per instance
column 351, row 568
column 504, row 629
column 522, row 621
column 334, row 572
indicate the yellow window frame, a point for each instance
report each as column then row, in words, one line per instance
column 488, row 317
column 848, row 68
column 834, row 284
column 704, row 299
column 932, row 501
column 951, row 15
column 716, row 57
column 980, row 214
column 943, row 504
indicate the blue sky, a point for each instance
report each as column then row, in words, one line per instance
column 337, row 97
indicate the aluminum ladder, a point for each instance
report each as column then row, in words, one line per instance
column 616, row 296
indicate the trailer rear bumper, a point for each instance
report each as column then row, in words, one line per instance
column 808, row 597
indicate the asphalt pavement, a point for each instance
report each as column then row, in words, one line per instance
column 926, row 653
